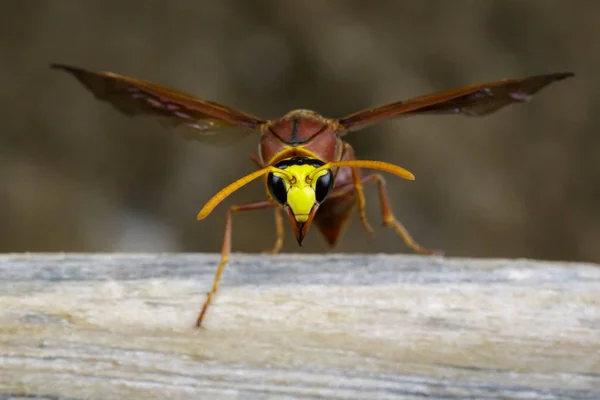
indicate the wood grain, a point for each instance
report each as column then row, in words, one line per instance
column 112, row 326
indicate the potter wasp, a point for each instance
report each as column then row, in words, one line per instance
column 310, row 173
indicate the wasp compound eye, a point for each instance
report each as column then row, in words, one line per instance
column 277, row 188
column 323, row 186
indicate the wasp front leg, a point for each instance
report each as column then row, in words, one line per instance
column 279, row 232
column 278, row 217
column 226, row 249
column 357, row 185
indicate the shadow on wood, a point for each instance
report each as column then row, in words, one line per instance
column 298, row 326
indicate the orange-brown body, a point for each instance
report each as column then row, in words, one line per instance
column 306, row 133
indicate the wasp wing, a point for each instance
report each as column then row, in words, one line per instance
column 474, row 100
column 201, row 119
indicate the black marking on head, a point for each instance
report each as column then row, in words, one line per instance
column 283, row 164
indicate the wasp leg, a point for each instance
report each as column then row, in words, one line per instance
column 390, row 220
column 278, row 218
column 388, row 217
column 357, row 184
column 226, row 249
column 280, row 232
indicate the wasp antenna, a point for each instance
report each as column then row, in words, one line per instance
column 379, row 165
column 223, row 193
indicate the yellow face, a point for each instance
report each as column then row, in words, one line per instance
column 301, row 191
column 299, row 187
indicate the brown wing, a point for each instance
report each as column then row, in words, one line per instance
column 172, row 107
column 474, row 100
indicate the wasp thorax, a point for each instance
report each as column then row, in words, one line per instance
column 302, row 186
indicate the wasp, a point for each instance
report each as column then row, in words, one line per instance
column 311, row 174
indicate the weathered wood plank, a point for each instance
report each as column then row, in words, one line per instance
column 298, row 326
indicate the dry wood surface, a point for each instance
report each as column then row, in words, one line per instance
column 121, row 326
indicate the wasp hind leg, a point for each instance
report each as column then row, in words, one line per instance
column 388, row 217
column 226, row 249
column 390, row 220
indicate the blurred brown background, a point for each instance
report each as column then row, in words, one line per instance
column 78, row 176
